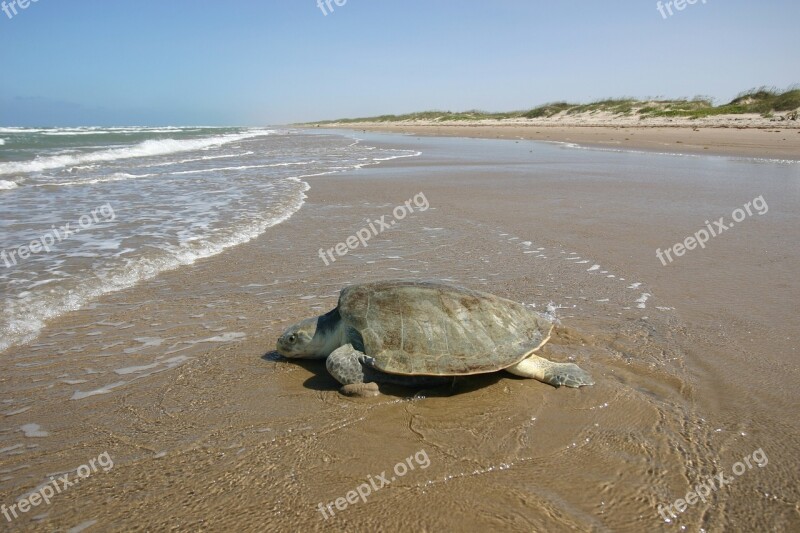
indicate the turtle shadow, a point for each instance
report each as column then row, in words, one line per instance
column 457, row 386
column 321, row 380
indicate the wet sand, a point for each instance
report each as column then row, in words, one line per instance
column 695, row 362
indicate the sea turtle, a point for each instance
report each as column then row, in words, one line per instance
column 415, row 333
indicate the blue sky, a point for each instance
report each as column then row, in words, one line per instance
column 257, row 62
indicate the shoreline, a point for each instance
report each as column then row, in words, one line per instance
column 772, row 142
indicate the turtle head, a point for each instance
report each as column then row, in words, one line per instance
column 297, row 342
column 313, row 338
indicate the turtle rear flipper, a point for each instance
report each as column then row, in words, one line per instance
column 555, row 374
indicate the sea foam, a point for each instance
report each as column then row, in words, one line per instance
column 152, row 147
column 26, row 317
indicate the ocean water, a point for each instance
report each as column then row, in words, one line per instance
column 87, row 211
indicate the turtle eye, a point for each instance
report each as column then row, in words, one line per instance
column 292, row 338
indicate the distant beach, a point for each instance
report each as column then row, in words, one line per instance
column 759, row 123
column 776, row 141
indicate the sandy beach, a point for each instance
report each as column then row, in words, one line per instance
column 695, row 361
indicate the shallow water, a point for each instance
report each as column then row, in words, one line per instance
column 93, row 211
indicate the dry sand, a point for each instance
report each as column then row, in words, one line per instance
column 691, row 378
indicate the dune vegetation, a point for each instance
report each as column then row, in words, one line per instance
column 765, row 101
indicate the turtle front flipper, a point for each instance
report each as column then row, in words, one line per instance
column 345, row 364
column 555, row 374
